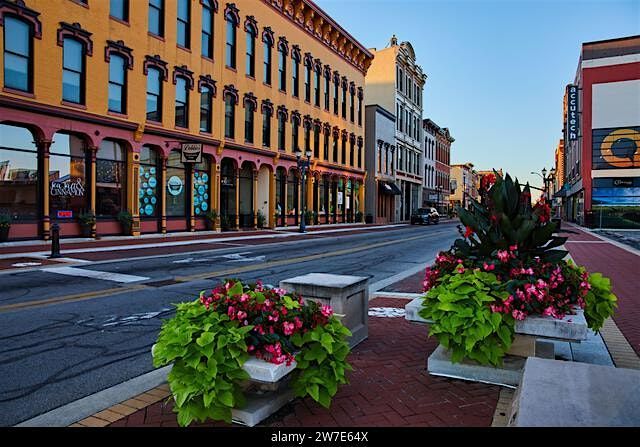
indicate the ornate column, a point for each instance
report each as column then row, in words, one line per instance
column 214, row 175
column 163, row 195
column 237, row 174
column 310, row 185
column 43, row 148
column 285, row 196
column 344, row 201
column 272, row 201
column 133, row 179
column 255, row 198
column 92, row 191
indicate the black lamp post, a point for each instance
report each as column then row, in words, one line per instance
column 303, row 166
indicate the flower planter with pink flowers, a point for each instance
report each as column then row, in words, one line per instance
column 506, row 276
column 239, row 353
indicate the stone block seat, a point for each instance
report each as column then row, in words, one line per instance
column 554, row 393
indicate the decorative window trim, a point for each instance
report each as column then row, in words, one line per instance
column 155, row 62
column 282, row 110
column 308, row 60
column 326, row 128
column 344, row 83
column 21, row 12
column 231, row 90
column 352, row 138
column 360, row 93
column 214, row 4
column 327, row 72
column 283, row 43
column 75, row 31
column 267, row 36
column 295, row 53
column 344, row 135
column 295, row 117
column 120, row 49
column 251, row 98
column 183, row 72
column 232, row 12
column 317, row 123
column 267, row 106
column 381, row 143
column 336, row 132
column 336, row 77
column 352, row 88
column 360, row 140
column 250, row 25
column 317, row 66
column 307, row 122
column 207, row 81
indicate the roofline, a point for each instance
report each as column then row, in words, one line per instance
column 384, row 111
column 615, row 39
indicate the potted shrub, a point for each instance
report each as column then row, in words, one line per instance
column 209, row 340
column 211, row 216
column 261, row 219
column 87, row 221
column 5, row 225
column 505, row 266
column 309, row 217
column 126, row 220
column 359, row 216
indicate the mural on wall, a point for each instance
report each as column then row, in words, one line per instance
column 616, row 148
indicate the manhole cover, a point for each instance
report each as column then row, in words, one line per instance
column 164, row 282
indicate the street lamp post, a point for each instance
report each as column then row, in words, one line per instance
column 303, row 166
column 545, row 181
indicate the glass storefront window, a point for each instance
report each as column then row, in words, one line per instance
column 68, row 191
column 201, row 187
column 148, row 187
column 110, row 179
column 228, row 186
column 292, row 194
column 18, row 173
column 176, row 182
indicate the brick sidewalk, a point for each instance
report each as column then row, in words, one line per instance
column 388, row 387
column 622, row 267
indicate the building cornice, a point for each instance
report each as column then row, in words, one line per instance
column 312, row 19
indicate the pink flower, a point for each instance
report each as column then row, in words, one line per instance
column 513, row 247
column 503, row 255
column 460, row 268
column 288, row 328
column 518, row 315
column 241, row 315
column 326, row 310
column 231, row 311
column 488, row 267
column 244, row 297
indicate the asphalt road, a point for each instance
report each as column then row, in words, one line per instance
column 63, row 337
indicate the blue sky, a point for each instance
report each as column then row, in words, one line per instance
column 496, row 69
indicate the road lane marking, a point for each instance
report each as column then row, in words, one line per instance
column 133, row 287
column 232, row 257
column 96, row 274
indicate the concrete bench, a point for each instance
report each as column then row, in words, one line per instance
column 555, row 393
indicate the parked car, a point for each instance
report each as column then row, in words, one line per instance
column 425, row 216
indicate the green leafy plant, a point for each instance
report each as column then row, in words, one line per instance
column 600, row 301
column 309, row 216
column 262, row 219
column 359, row 216
column 87, row 219
column 209, row 340
column 5, row 221
column 463, row 322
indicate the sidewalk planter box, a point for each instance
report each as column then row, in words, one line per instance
column 555, row 393
column 347, row 295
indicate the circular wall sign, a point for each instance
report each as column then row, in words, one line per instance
column 174, row 185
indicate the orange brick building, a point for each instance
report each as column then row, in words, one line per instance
column 100, row 100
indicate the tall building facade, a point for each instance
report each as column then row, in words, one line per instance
column 170, row 109
column 602, row 136
column 380, row 161
column 396, row 82
column 429, row 191
column 465, row 179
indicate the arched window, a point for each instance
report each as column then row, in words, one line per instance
column 182, row 102
column 206, row 40
column 206, row 105
column 176, row 185
column 250, row 61
column 73, row 71
column 117, row 84
column 148, row 183
column 307, row 80
column 267, row 62
column 111, row 177
column 249, row 109
column 282, row 67
column 67, row 175
column 18, row 54
column 292, row 194
column 295, row 71
column 201, row 184
column 154, row 94
column 316, row 86
column 230, row 53
column 18, row 173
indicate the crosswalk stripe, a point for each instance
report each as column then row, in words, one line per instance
column 106, row 276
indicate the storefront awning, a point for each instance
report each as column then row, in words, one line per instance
column 390, row 188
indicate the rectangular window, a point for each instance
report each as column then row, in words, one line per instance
column 156, row 17
column 401, row 78
column 307, row 83
column 248, row 122
column 295, row 127
column 154, row 95
column 250, row 60
column 18, row 54
column 73, row 71
column 335, row 97
column 352, row 107
column 325, row 148
column 326, row 92
column 207, row 30
column 230, row 46
column 281, row 130
column 182, row 103
column 316, row 142
column 344, row 102
column 184, row 26
column 206, row 101
column 295, row 68
column 316, row 88
column 117, row 84
column 282, row 70
column 119, row 9
column 352, row 158
column 266, row 128
column 344, row 151
column 229, row 116
column 267, row 64
column 359, row 111
column 335, row 149
column 307, row 138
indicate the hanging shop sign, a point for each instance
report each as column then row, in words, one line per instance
column 191, row 152
column 67, row 188
column 573, row 124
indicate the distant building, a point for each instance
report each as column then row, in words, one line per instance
column 466, row 182
column 558, row 179
column 429, row 191
column 440, row 152
column 395, row 82
column 602, row 136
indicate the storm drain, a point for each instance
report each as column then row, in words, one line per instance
column 162, row 283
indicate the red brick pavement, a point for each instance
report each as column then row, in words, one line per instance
column 388, row 387
column 411, row 284
column 623, row 268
